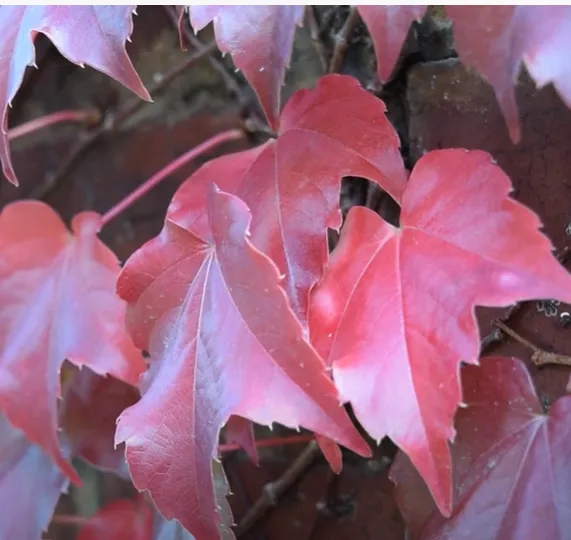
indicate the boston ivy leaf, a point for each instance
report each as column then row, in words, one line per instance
column 389, row 26
column 223, row 341
column 260, row 40
column 30, row 485
column 92, row 35
column 292, row 183
column 88, row 416
column 57, row 302
column 512, row 465
column 394, row 314
column 241, row 431
column 120, row 519
column 496, row 39
column 488, row 40
column 332, row 453
column 133, row 519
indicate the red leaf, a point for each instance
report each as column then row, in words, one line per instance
column 241, row 431
column 57, row 302
column 394, row 313
column 260, row 40
column 224, row 341
column 488, row 39
column 495, row 39
column 292, row 184
column 133, row 520
column 512, row 463
column 332, row 453
column 119, row 520
column 88, row 416
column 30, row 485
column 92, row 35
column 389, row 26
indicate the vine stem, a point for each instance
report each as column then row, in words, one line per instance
column 342, row 41
column 539, row 357
column 314, row 31
column 274, row 490
column 112, row 122
column 88, row 117
column 279, row 487
column 226, row 136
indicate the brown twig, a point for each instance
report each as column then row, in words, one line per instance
column 112, row 122
column 314, row 34
column 495, row 336
column 342, row 41
column 540, row 357
column 274, row 490
column 162, row 82
column 230, row 82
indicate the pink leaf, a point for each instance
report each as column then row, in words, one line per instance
column 495, row 39
column 57, row 302
column 92, row 35
column 125, row 519
column 241, row 431
column 260, row 40
column 88, row 416
column 292, row 183
column 394, row 314
column 332, row 453
column 119, row 520
column 224, row 342
column 389, row 26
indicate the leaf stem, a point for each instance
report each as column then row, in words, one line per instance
column 540, row 357
column 277, row 441
column 314, row 34
column 88, row 117
column 513, row 334
column 226, row 136
column 112, row 122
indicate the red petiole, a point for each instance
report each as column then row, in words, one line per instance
column 173, row 166
column 277, row 441
column 89, row 117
